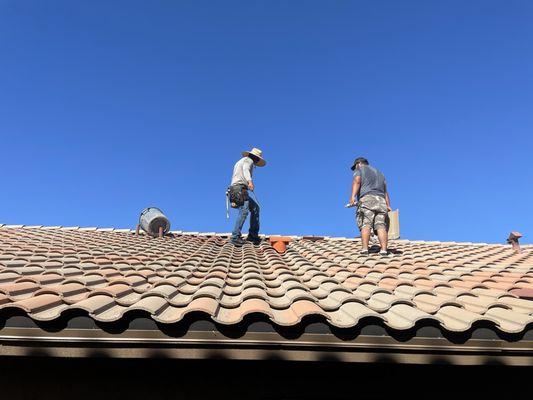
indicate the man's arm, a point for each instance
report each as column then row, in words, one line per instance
column 247, row 172
column 356, row 185
column 387, row 198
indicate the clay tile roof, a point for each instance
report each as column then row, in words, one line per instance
column 106, row 273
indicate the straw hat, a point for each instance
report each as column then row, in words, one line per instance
column 258, row 153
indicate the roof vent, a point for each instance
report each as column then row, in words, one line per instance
column 153, row 222
column 513, row 241
column 279, row 243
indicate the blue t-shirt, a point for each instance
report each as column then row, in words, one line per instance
column 372, row 181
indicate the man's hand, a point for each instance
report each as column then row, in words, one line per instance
column 251, row 185
column 356, row 185
column 387, row 198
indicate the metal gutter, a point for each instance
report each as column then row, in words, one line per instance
column 260, row 345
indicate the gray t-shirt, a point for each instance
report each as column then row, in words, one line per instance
column 372, row 181
column 242, row 171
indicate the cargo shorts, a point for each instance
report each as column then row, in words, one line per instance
column 372, row 212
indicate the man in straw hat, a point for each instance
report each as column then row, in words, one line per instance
column 241, row 182
column 373, row 203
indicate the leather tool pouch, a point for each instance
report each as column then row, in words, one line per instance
column 238, row 194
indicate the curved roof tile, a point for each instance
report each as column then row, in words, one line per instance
column 45, row 271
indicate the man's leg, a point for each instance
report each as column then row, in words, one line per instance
column 365, row 237
column 383, row 238
column 379, row 218
column 380, row 224
column 364, row 224
column 243, row 213
column 253, row 232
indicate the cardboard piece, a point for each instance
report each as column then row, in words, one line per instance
column 394, row 224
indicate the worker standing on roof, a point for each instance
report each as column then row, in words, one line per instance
column 373, row 203
column 241, row 182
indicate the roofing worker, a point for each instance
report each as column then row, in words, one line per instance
column 241, row 182
column 373, row 203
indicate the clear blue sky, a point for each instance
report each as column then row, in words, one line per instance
column 110, row 106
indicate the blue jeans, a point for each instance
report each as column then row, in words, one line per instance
column 249, row 206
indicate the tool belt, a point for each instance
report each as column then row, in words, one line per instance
column 237, row 195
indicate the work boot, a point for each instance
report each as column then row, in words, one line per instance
column 254, row 240
column 237, row 242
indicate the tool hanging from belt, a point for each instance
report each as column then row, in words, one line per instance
column 255, row 198
column 227, row 204
column 236, row 195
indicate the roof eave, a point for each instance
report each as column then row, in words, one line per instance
column 261, row 346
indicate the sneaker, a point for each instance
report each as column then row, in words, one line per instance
column 363, row 252
column 384, row 253
column 254, row 240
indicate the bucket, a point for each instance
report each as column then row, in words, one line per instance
column 151, row 219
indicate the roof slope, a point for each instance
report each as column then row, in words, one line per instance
column 45, row 271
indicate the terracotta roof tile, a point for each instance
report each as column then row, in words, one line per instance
column 38, row 303
column 431, row 303
column 19, row 288
column 509, row 320
column 402, row 316
column 107, row 273
column 456, row 318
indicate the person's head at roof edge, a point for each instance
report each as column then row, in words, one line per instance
column 358, row 162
